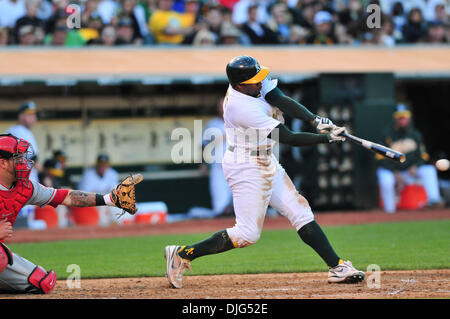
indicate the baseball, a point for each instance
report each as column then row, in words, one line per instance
column 443, row 164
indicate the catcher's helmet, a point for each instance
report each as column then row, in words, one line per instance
column 245, row 69
column 21, row 151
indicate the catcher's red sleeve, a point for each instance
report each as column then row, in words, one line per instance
column 59, row 197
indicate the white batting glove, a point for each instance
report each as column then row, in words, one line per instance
column 335, row 134
column 322, row 124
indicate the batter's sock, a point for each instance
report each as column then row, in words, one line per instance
column 313, row 235
column 217, row 243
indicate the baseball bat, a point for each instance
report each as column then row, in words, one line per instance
column 377, row 148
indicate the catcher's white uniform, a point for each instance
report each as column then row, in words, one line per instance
column 254, row 174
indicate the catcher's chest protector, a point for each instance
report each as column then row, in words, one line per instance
column 12, row 201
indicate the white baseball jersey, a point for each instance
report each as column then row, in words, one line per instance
column 249, row 120
column 257, row 180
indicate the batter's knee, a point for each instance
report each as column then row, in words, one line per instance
column 243, row 239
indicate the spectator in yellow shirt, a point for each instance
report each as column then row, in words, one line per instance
column 168, row 25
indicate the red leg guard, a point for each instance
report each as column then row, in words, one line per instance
column 43, row 280
column 6, row 257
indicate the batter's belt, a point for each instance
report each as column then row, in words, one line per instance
column 258, row 152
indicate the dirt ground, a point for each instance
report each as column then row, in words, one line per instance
column 392, row 284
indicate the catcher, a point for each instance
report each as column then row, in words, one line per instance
column 18, row 275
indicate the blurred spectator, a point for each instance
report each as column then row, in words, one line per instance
column 323, row 29
column 108, row 36
column 415, row 29
column 142, row 20
column 230, row 34
column 59, row 12
column 27, row 118
column 393, row 176
column 101, row 179
column 212, row 22
column 228, row 3
column 63, row 36
column 90, row 11
column 258, row 33
column 45, row 10
column 298, row 35
column 221, row 197
column 240, row 11
column 435, row 10
column 214, row 19
column 399, row 19
column 4, row 36
column 25, row 35
column 220, row 192
column 436, row 33
column 107, row 10
column 418, row 4
column 385, row 34
column 53, row 173
column 149, row 6
column 189, row 16
column 257, row 21
column 303, row 14
column 58, row 37
column 280, row 22
column 440, row 14
column 50, row 174
column 30, row 18
column 60, row 159
column 11, row 11
column 90, row 30
column 204, row 37
column 167, row 24
column 125, row 32
column 127, row 24
column 353, row 18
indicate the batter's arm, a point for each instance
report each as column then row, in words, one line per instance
column 289, row 106
column 284, row 135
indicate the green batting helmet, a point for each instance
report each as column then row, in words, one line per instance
column 245, row 69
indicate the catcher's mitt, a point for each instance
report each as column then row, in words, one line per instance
column 123, row 195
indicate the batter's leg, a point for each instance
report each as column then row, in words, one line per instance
column 287, row 200
column 251, row 190
column 289, row 203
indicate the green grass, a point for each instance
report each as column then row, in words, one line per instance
column 392, row 246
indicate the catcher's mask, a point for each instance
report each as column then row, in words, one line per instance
column 20, row 151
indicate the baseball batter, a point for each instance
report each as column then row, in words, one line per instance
column 253, row 118
column 17, row 274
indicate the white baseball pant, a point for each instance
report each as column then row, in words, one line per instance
column 257, row 182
